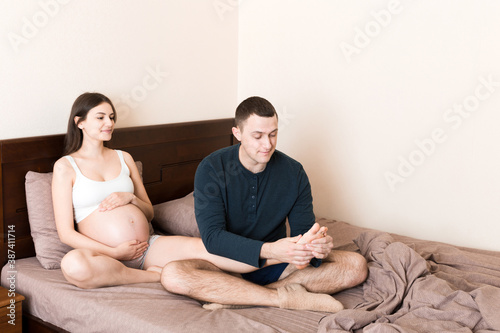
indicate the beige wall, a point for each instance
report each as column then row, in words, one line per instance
column 159, row 61
column 392, row 106
column 361, row 87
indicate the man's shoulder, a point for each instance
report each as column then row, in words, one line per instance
column 222, row 153
column 220, row 156
column 283, row 159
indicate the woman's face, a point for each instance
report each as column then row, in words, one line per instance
column 99, row 123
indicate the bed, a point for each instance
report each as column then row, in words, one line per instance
column 413, row 285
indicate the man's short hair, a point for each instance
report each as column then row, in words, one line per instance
column 253, row 105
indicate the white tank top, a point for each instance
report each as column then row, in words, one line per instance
column 88, row 193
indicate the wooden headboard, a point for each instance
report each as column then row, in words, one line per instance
column 170, row 155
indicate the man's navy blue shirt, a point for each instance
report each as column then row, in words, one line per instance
column 238, row 211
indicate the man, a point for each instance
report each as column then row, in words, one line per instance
column 243, row 196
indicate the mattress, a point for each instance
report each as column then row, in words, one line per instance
column 413, row 285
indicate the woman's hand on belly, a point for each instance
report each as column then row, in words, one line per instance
column 130, row 250
column 116, row 199
column 115, row 227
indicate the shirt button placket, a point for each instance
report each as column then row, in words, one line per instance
column 253, row 191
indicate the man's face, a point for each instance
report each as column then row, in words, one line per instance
column 258, row 137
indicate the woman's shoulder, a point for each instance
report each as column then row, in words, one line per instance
column 129, row 161
column 63, row 168
column 62, row 163
column 126, row 156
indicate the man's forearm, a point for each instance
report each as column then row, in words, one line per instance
column 267, row 254
column 266, row 251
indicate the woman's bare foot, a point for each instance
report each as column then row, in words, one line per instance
column 315, row 232
column 155, row 269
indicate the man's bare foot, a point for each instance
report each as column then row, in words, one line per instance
column 295, row 296
column 315, row 232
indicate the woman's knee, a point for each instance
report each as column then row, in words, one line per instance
column 76, row 267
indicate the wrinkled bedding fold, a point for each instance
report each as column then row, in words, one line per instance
column 450, row 290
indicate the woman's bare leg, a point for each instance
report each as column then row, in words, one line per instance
column 173, row 248
column 88, row 269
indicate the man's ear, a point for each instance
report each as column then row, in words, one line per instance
column 237, row 133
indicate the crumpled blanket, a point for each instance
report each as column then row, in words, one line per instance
column 405, row 293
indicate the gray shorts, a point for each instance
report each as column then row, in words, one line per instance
column 138, row 263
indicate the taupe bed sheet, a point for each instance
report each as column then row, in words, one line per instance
column 414, row 286
column 143, row 307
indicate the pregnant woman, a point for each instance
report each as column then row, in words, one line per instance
column 101, row 190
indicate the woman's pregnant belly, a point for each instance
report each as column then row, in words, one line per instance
column 114, row 227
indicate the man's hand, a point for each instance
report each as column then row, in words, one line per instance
column 321, row 247
column 316, row 232
column 287, row 250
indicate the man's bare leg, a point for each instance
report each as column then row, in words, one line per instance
column 203, row 281
column 340, row 270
